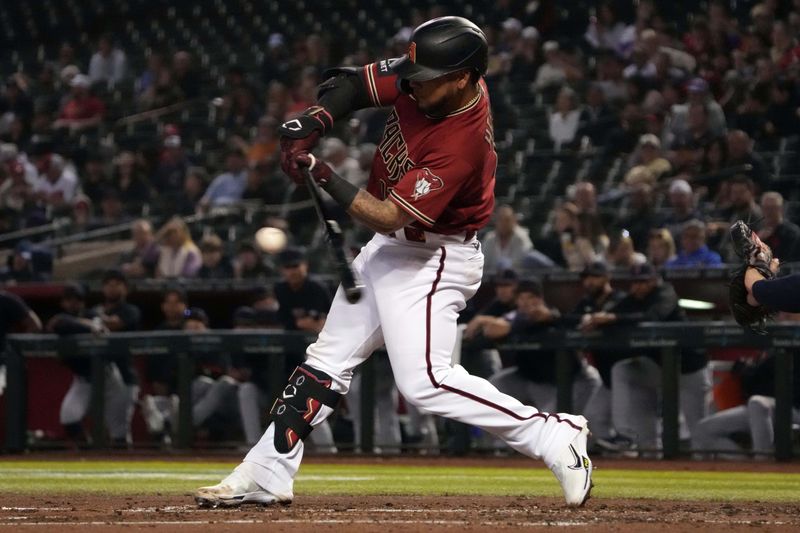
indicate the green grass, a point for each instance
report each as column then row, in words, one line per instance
column 180, row 477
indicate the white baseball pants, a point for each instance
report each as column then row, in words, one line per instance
column 413, row 294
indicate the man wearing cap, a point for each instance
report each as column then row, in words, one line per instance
column 694, row 252
column 303, row 302
column 431, row 188
column 598, row 297
column 636, row 380
column 697, row 93
column 533, row 377
column 82, row 109
column 116, row 314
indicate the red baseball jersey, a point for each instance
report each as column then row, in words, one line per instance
column 441, row 171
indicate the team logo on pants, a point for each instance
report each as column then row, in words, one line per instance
column 426, row 182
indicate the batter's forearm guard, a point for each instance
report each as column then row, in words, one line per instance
column 302, row 398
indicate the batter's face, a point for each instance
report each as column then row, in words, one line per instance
column 442, row 95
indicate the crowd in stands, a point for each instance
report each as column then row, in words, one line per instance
column 630, row 145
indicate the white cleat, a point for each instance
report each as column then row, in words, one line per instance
column 235, row 490
column 573, row 469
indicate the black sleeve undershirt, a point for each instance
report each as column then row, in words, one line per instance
column 780, row 294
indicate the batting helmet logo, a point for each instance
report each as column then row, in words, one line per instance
column 292, row 125
column 412, row 52
column 426, row 182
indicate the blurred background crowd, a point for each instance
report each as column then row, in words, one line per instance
column 141, row 135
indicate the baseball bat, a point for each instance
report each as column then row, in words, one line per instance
column 333, row 232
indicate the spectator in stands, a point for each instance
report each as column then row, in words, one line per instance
column 142, row 260
column 699, row 130
column 148, row 77
column 215, row 264
column 636, row 381
column 112, row 211
column 784, row 52
column 227, row 188
column 525, row 57
column 94, row 180
column 694, row 251
column 173, row 163
column 82, row 110
column 185, row 75
column 598, row 297
column 194, row 186
column 605, row 30
column 660, row 247
column 262, row 184
column 712, row 168
column 264, row 145
column 750, row 115
column 248, row 263
column 639, row 215
column 15, row 317
column 15, row 103
column 682, row 208
column 533, row 378
column 552, row 73
column 244, row 112
column 162, row 92
column 555, row 243
column 506, row 245
column 159, row 408
column 649, row 155
column 108, row 63
column 742, row 200
column 743, row 160
column 265, row 306
column 16, row 193
column 622, row 254
column 565, row 119
column 131, row 183
column 56, row 187
column 780, row 234
column 303, row 302
column 609, row 77
column 706, row 110
column 782, row 119
column 336, row 153
column 21, row 265
column 597, row 116
column 179, row 256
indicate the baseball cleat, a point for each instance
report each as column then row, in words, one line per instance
column 233, row 491
column 573, row 469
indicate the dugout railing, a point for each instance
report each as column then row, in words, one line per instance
column 668, row 338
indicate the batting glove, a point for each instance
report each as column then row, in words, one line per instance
column 301, row 134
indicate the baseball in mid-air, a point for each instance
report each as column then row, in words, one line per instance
column 271, row 240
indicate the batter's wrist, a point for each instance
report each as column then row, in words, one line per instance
column 340, row 190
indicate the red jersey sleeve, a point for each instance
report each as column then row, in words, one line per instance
column 425, row 191
column 381, row 83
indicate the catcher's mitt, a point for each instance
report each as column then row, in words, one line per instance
column 754, row 254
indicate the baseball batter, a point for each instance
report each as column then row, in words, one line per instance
column 430, row 190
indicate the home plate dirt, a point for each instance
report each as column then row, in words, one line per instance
column 98, row 513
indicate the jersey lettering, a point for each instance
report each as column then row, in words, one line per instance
column 393, row 149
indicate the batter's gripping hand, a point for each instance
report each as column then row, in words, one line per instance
column 754, row 254
column 318, row 169
column 302, row 134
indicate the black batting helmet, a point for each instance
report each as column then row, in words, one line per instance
column 441, row 46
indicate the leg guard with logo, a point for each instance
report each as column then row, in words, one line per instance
column 307, row 391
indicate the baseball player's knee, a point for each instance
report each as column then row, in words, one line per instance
column 293, row 412
column 758, row 404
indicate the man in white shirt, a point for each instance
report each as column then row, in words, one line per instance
column 55, row 187
column 108, row 64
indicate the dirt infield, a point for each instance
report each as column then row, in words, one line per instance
column 388, row 513
column 177, row 513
